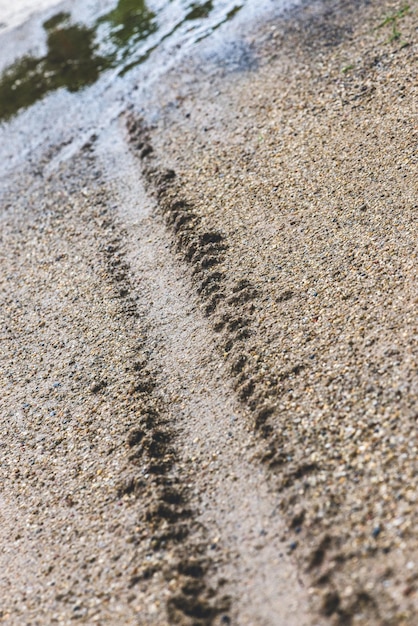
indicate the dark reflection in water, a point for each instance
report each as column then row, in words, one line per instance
column 130, row 22
column 198, row 11
column 74, row 58
column 71, row 61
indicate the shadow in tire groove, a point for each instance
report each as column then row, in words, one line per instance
column 156, row 473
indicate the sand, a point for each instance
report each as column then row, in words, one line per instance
column 209, row 343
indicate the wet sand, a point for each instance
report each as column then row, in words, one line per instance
column 209, row 343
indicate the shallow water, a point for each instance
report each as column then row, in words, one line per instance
column 68, row 72
column 78, row 53
column 13, row 14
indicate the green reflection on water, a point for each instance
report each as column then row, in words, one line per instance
column 73, row 59
column 130, row 22
column 199, row 10
column 56, row 20
column 69, row 62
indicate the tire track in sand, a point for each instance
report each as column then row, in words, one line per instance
column 225, row 484
column 129, row 490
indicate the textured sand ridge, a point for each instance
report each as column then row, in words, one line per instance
column 309, row 182
column 129, row 489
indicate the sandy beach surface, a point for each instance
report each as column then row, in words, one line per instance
column 208, row 340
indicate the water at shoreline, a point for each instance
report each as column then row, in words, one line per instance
column 12, row 15
column 70, row 71
column 124, row 37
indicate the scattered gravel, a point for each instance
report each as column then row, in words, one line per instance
column 307, row 167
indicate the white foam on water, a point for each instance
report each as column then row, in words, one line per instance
column 16, row 12
column 67, row 117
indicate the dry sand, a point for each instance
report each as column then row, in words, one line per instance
column 209, row 349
